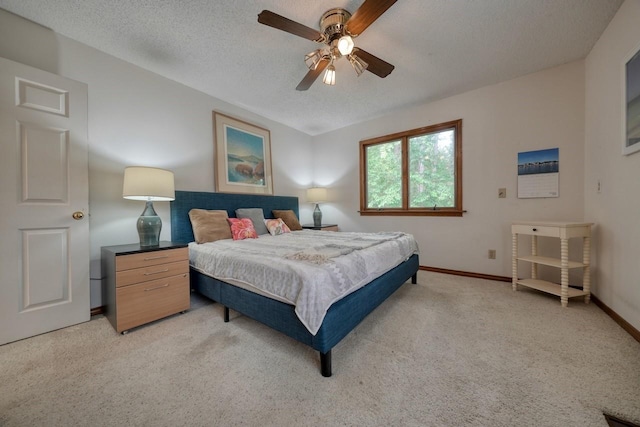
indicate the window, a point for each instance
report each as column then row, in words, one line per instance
column 417, row 172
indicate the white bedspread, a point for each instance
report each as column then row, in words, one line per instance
column 309, row 269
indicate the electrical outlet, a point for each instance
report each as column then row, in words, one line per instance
column 502, row 193
column 492, row 254
column 599, row 186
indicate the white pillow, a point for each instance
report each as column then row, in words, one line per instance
column 276, row 226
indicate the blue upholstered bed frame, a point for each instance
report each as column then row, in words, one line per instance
column 343, row 316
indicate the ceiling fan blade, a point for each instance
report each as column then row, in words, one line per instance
column 374, row 64
column 312, row 75
column 274, row 20
column 367, row 14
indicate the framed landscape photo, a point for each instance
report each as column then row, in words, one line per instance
column 242, row 154
column 631, row 111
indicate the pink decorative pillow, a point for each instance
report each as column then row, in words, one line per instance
column 276, row 226
column 242, row 229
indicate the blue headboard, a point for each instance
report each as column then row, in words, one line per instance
column 181, row 231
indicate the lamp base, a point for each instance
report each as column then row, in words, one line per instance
column 149, row 226
column 317, row 216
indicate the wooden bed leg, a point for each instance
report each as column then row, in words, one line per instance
column 414, row 278
column 325, row 363
column 226, row 314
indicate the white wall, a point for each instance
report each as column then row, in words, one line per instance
column 139, row 118
column 537, row 111
column 616, row 209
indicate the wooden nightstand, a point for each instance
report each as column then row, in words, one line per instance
column 145, row 284
column 323, row 227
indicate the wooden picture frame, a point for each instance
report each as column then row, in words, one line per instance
column 631, row 99
column 242, row 156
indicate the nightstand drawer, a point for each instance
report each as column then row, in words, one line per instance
column 138, row 275
column 145, row 259
column 153, row 300
column 536, row 230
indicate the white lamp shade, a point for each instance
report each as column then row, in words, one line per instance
column 143, row 183
column 316, row 195
column 330, row 76
column 345, row 45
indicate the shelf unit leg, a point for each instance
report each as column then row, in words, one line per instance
column 534, row 252
column 514, row 261
column 564, row 272
column 586, row 272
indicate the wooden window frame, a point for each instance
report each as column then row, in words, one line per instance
column 405, row 210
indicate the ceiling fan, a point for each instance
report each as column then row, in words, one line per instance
column 338, row 28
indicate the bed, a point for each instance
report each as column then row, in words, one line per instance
column 340, row 318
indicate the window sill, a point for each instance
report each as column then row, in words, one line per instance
column 413, row 212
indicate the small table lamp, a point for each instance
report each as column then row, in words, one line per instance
column 317, row 195
column 148, row 184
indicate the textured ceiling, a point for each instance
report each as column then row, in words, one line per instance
column 439, row 48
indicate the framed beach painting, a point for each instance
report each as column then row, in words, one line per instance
column 631, row 111
column 242, row 156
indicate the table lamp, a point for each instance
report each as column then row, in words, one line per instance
column 148, row 184
column 317, row 195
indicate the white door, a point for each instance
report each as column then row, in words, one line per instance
column 44, row 251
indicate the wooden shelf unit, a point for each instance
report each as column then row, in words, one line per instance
column 563, row 231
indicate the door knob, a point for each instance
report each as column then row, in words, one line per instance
column 78, row 215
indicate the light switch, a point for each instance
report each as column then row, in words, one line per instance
column 502, row 193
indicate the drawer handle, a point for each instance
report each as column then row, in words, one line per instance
column 156, row 272
column 156, row 257
column 157, row 287
column 535, row 229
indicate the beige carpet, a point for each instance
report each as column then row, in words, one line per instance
column 449, row 351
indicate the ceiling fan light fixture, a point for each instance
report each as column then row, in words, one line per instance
column 312, row 59
column 345, row 45
column 358, row 64
column 337, row 30
column 330, row 75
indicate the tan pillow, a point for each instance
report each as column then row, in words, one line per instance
column 289, row 217
column 209, row 226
